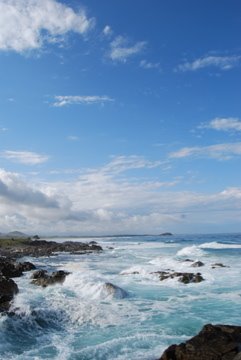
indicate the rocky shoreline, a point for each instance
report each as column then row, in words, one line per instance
column 11, row 267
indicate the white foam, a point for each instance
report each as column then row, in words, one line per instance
column 193, row 250
column 216, row 245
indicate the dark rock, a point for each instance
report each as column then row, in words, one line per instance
column 39, row 274
column 197, row 264
column 42, row 278
column 185, row 278
column 218, row 265
column 188, row 260
column 9, row 269
column 8, row 288
column 166, row 234
column 92, row 243
column 25, row 266
column 214, row 342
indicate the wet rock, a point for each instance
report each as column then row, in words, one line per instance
column 183, row 277
column 214, row 342
column 9, row 269
column 42, row 278
column 115, row 291
column 188, row 260
column 25, row 266
column 130, row 273
column 8, row 288
column 197, row 264
column 218, row 265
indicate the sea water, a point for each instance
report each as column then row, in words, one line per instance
column 82, row 320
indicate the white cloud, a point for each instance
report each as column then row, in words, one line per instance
column 13, row 189
column 87, row 100
column 24, row 157
column 220, row 151
column 107, row 30
column 3, row 129
column 121, row 49
column 28, row 24
column 149, row 65
column 105, row 201
column 220, row 62
column 223, row 124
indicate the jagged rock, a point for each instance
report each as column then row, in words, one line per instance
column 115, row 291
column 8, row 288
column 42, row 278
column 197, row 264
column 185, row 278
column 214, row 342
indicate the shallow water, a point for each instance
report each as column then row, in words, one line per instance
column 81, row 320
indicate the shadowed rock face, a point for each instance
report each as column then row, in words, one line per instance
column 220, row 342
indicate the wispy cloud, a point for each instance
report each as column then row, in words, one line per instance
column 220, row 62
column 28, row 24
column 73, row 138
column 121, row 49
column 3, row 129
column 223, row 124
column 219, row 151
column 24, row 157
column 85, row 100
column 149, row 65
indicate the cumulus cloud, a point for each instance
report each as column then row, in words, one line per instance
column 220, row 151
column 24, row 157
column 15, row 190
column 104, row 200
column 121, row 49
column 223, row 124
column 220, row 62
column 28, row 24
column 61, row 101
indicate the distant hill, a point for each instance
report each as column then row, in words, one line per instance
column 14, row 234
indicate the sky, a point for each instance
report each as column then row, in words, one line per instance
column 120, row 117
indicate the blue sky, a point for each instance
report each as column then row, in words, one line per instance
column 120, row 116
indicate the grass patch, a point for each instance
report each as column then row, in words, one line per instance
column 13, row 242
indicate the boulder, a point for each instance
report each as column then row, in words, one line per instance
column 197, row 264
column 42, row 278
column 8, row 288
column 214, row 342
column 115, row 291
column 218, row 265
column 25, row 266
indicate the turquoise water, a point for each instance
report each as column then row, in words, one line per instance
column 82, row 320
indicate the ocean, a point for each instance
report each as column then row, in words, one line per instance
column 82, row 320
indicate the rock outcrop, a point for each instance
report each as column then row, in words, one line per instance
column 183, row 277
column 42, row 278
column 8, row 288
column 214, row 342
